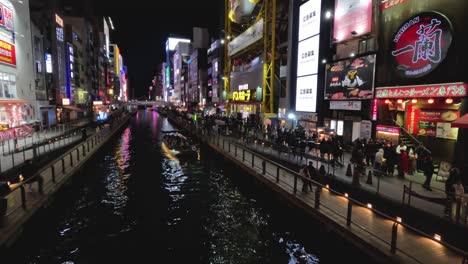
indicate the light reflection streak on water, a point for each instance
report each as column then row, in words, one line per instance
column 115, row 182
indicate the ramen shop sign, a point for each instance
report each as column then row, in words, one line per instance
column 421, row 44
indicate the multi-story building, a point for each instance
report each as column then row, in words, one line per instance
column 215, row 72
column 168, row 89
column 17, row 75
column 181, row 59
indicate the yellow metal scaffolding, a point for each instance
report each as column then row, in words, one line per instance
column 268, row 13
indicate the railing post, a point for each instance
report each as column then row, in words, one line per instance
column 223, row 143
column 317, row 199
column 457, row 211
column 235, row 150
column 263, row 167
column 252, row 159
column 243, row 155
column 87, row 142
column 350, row 212
column 409, row 193
column 52, row 169
column 23, row 196
column 394, row 238
column 277, row 173
column 295, row 183
column 71, row 159
column 63, row 165
column 229, row 146
column 83, row 150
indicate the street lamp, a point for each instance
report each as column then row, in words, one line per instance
column 292, row 116
column 328, row 15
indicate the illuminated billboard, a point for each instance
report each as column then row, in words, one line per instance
column 352, row 18
column 172, row 42
column 306, row 93
column 307, row 56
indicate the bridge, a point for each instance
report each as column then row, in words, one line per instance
column 147, row 103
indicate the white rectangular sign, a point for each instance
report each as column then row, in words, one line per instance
column 309, row 19
column 306, row 94
column 346, row 105
column 307, row 56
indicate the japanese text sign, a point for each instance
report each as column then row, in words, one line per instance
column 423, row 91
column 421, row 44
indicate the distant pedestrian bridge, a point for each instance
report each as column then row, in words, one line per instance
column 147, row 103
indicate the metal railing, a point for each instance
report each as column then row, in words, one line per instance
column 279, row 172
column 52, row 174
column 216, row 140
column 408, row 134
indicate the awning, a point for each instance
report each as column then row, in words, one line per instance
column 461, row 122
column 73, row 108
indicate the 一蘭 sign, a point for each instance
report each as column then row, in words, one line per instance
column 421, row 44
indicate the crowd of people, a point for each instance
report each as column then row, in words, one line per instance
column 381, row 156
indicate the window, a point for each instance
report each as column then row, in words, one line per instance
column 7, row 85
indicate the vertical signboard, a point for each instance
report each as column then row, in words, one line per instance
column 307, row 56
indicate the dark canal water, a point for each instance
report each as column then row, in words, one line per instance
column 133, row 203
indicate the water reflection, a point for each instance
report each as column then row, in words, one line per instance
column 191, row 211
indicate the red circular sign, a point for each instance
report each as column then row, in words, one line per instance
column 421, row 44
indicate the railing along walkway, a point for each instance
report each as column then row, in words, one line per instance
column 388, row 234
column 21, row 204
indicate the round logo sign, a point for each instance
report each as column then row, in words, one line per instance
column 421, row 44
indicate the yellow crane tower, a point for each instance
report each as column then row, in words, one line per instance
column 268, row 14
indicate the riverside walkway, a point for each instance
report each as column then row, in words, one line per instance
column 379, row 232
column 385, row 237
column 20, row 204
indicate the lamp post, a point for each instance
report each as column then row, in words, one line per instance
column 292, row 117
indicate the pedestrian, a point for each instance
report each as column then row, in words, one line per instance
column 312, row 173
column 403, row 164
column 379, row 162
column 28, row 172
column 458, row 200
column 305, row 176
column 321, row 176
column 412, row 160
column 454, row 177
column 428, row 171
column 83, row 134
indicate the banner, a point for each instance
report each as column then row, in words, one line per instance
column 7, row 53
column 350, row 79
column 423, row 91
column 352, row 16
column 346, row 105
column 246, row 38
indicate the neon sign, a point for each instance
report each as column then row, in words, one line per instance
column 421, row 44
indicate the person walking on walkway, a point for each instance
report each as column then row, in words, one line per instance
column 428, row 171
column 312, row 173
column 454, row 176
column 305, row 175
column 28, row 172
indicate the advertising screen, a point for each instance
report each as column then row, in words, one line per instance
column 352, row 16
column 306, row 94
column 309, row 23
column 350, row 79
column 307, row 58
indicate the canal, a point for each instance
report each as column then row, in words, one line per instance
column 133, row 203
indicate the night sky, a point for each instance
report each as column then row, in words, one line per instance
column 141, row 30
